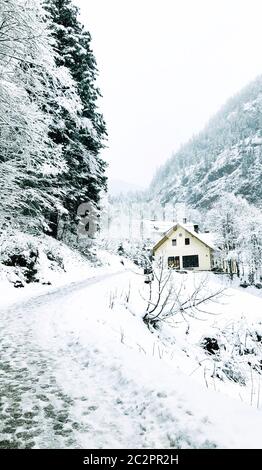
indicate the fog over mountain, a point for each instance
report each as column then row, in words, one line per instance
column 117, row 186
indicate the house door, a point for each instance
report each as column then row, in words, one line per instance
column 173, row 262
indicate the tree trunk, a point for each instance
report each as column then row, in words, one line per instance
column 53, row 222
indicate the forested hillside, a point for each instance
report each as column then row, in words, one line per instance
column 225, row 157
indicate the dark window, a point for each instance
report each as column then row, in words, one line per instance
column 174, row 242
column 187, row 241
column 190, row 261
column 173, row 262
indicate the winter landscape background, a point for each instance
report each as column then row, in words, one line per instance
column 102, row 345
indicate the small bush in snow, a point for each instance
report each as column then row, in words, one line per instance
column 55, row 256
column 21, row 254
column 210, row 345
column 236, row 352
column 233, row 372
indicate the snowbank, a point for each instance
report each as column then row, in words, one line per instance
column 31, row 265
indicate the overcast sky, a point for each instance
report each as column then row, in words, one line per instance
column 165, row 67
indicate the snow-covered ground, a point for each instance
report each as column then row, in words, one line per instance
column 80, row 369
column 57, row 265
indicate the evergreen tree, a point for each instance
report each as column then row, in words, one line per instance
column 30, row 84
column 81, row 144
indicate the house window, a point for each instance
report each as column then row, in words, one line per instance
column 173, row 262
column 187, row 241
column 190, row 261
column 174, row 242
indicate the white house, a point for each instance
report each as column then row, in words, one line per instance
column 184, row 247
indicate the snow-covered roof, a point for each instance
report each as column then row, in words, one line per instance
column 159, row 226
column 207, row 238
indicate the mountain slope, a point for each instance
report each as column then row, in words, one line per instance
column 225, row 156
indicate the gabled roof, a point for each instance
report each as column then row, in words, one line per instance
column 202, row 237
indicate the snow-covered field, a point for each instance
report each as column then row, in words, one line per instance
column 80, row 369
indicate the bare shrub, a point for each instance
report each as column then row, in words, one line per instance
column 167, row 299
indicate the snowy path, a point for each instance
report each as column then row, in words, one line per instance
column 34, row 408
column 69, row 380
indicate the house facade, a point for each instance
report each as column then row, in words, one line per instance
column 183, row 247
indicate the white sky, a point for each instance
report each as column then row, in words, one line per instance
column 165, row 67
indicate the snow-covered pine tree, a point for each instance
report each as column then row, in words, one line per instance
column 30, row 84
column 81, row 145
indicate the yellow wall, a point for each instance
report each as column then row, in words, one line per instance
column 196, row 247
